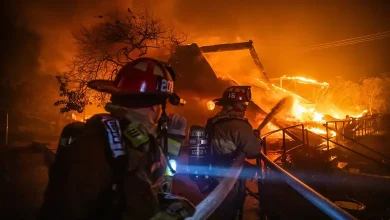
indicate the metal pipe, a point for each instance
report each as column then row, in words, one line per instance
column 326, row 206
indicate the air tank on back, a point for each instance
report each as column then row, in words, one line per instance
column 199, row 153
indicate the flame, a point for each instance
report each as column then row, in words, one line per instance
column 302, row 114
column 320, row 131
column 305, row 80
column 360, row 115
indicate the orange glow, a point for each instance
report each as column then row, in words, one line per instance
column 360, row 115
column 302, row 114
column 305, row 80
column 320, row 131
column 81, row 118
column 210, row 105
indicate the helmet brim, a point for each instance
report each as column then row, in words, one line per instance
column 105, row 86
column 222, row 101
column 108, row 86
column 219, row 101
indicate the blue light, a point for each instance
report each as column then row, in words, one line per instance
column 173, row 164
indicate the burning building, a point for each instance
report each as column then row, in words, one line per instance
column 199, row 83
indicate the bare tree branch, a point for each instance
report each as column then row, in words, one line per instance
column 104, row 48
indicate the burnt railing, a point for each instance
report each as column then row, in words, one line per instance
column 284, row 132
column 353, row 128
column 356, row 152
column 274, row 181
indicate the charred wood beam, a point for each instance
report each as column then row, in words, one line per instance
column 259, row 65
column 226, row 47
column 238, row 46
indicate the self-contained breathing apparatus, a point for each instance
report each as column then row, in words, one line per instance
column 199, row 153
column 200, row 158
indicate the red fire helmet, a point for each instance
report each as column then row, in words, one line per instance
column 141, row 76
column 235, row 94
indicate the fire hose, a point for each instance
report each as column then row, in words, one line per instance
column 208, row 205
column 285, row 102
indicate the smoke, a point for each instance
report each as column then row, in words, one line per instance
column 275, row 27
column 53, row 23
column 44, row 32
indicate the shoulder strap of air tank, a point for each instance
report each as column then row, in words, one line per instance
column 117, row 157
column 209, row 133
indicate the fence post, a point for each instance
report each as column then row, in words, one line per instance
column 303, row 134
column 327, row 136
column 369, row 126
column 365, row 127
column 6, row 131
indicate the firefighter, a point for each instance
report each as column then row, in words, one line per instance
column 115, row 168
column 229, row 133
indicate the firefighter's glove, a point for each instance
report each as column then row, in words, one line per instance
column 173, row 207
column 177, row 125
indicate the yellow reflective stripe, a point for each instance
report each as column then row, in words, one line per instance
column 173, row 147
column 136, row 137
column 168, row 172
